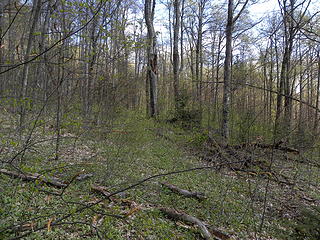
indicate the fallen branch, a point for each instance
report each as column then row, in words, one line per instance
column 60, row 220
column 52, row 181
column 100, row 189
column 277, row 146
column 217, row 234
column 84, row 176
column 104, row 191
column 271, row 175
column 186, row 193
column 207, row 234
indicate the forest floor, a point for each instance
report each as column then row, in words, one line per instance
column 250, row 192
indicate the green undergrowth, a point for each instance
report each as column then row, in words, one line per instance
column 119, row 154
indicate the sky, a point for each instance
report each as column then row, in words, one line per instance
column 267, row 6
column 263, row 7
column 257, row 11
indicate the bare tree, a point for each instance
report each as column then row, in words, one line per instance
column 292, row 23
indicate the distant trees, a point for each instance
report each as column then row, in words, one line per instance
column 293, row 19
column 94, row 58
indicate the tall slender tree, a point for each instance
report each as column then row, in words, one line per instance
column 175, row 58
column 152, row 55
column 227, row 67
column 24, row 78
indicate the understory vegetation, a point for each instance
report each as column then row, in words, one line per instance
column 160, row 119
column 251, row 192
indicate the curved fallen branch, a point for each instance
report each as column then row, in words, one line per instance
column 207, row 231
column 187, row 218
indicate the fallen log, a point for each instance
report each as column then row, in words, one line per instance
column 207, row 231
column 51, row 181
column 186, row 193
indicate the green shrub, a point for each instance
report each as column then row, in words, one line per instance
column 187, row 118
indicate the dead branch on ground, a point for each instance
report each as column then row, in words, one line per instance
column 207, row 231
column 186, row 193
column 52, row 181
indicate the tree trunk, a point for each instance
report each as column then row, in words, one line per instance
column 42, row 72
column 24, row 77
column 2, row 5
column 316, row 120
column 231, row 20
column 176, row 28
column 152, row 72
column 227, row 74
